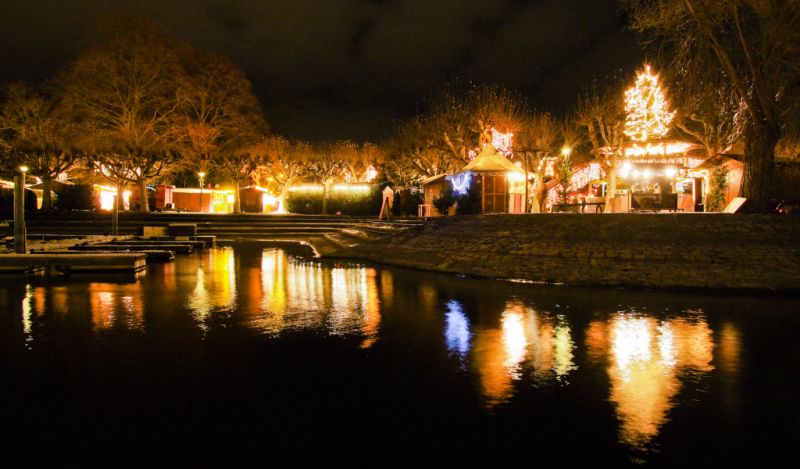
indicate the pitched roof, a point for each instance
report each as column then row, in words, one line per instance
column 490, row 160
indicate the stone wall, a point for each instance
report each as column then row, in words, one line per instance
column 659, row 250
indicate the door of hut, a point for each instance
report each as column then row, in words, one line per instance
column 494, row 194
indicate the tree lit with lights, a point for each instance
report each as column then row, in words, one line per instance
column 647, row 109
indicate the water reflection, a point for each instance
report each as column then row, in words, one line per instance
column 527, row 342
column 109, row 306
column 215, row 284
column 508, row 348
column 456, row 331
column 646, row 359
column 298, row 294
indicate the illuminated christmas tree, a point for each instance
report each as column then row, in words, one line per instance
column 647, row 109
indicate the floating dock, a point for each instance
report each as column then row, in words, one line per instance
column 66, row 264
column 176, row 248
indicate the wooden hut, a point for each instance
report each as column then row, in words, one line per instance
column 500, row 184
column 432, row 188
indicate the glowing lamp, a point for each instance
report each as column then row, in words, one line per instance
column 566, row 151
column 646, row 174
column 670, row 172
column 23, row 169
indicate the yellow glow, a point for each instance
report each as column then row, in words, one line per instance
column 670, row 172
column 514, row 341
column 656, row 149
column 364, row 188
column 215, row 284
column 563, row 347
column 306, row 188
column 648, row 114
column 108, row 194
column 23, row 169
column 525, row 341
column 372, row 173
column 515, row 177
column 201, row 174
column 106, row 201
column 116, row 306
column 566, row 151
column 502, row 142
column 298, row 294
column 647, row 359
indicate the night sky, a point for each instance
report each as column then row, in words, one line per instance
column 352, row 69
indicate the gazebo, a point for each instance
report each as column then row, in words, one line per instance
column 499, row 183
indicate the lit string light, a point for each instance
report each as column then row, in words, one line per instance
column 502, row 142
column 647, row 109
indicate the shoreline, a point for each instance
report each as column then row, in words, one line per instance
column 757, row 254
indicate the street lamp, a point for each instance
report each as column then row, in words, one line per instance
column 201, row 177
column 565, row 152
column 20, row 234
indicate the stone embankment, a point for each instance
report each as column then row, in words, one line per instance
column 643, row 250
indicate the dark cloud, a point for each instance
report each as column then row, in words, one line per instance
column 329, row 69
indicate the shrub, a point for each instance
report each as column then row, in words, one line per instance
column 346, row 202
column 444, row 201
column 469, row 202
column 7, row 202
column 406, row 202
column 719, row 186
column 74, row 197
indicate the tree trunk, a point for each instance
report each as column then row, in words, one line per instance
column 115, row 210
column 144, row 204
column 759, row 165
column 611, row 188
column 324, row 198
column 237, row 206
column 47, row 196
column 284, row 197
column 539, row 193
column 527, row 192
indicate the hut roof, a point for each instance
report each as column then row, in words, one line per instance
column 490, row 160
column 432, row 179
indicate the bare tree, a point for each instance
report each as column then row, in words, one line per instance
column 708, row 112
column 282, row 164
column 457, row 125
column 39, row 135
column 328, row 164
column 601, row 113
column 413, row 150
column 367, row 157
column 218, row 109
column 538, row 138
column 124, row 88
column 756, row 46
column 240, row 161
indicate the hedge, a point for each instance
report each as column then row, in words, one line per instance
column 344, row 202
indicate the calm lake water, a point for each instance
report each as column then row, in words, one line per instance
column 255, row 353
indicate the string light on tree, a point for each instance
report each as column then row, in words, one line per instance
column 647, row 109
column 502, row 142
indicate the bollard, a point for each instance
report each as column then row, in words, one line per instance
column 20, row 245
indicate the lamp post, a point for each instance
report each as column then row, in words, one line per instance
column 115, row 212
column 20, row 241
column 201, row 177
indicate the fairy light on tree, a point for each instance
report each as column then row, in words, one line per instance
column 502, row 142
column 646, row 108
